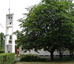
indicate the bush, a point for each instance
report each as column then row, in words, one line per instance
column 2, row 51
column 64, row 59
column 31, row 57
column 7, row 58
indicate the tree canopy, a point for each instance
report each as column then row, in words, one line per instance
column 47, row 26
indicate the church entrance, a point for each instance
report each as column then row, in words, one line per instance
column 16, row 50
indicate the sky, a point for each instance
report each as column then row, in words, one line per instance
column 17, row 8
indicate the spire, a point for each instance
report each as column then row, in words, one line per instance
column 9, row 10
column 9, row 7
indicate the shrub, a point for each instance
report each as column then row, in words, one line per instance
column 31, row 57
column 63, row 59
column 2, row 51
column 7, row 58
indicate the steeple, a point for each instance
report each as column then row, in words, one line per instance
column 9, row 47
column 9, row 7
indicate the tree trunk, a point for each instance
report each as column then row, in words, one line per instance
column 60, row 53
column 71, row 53
column 51, row 52
column 52, row 56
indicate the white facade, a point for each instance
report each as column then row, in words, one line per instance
column 42, row 52
column 9, row 47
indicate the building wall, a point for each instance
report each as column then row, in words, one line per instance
column 42, row 52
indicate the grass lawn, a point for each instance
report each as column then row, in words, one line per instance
column 54, row 62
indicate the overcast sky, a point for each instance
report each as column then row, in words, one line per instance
column 17, row 7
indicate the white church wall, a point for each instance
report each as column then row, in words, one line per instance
column 42, row 52
column 56, row 53
column 9, row 31
column 66, row 52
column 9, row 49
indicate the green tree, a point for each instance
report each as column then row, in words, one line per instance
column 70, row 46
column 47, row 26
column 1, row 41
column 10, row 36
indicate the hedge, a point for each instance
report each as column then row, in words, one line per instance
column 64, row 59
column 7, row 58
column 2, row 51
column 31, row 57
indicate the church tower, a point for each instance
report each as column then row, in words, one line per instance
column 9, row 47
